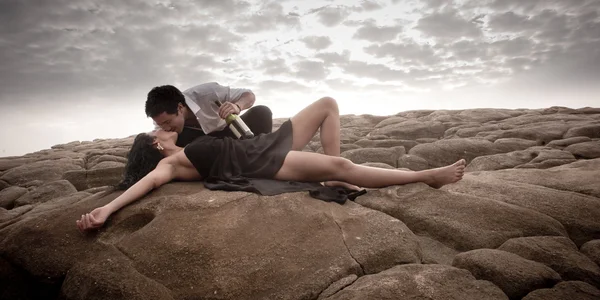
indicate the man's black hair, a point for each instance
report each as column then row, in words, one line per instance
column 163, row 99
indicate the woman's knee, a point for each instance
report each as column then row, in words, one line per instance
column 342, row 165
column 329, row 104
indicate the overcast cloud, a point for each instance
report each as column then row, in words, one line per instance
column 81, row 69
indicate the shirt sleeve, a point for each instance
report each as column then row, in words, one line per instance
column 232, row 95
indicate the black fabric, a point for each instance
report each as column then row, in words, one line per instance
column 258, row 118
column 230, row 158
column 250, row 165
column 270, row 187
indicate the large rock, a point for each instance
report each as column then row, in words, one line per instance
column 462, row 222
column 45, row 171
column 586, row 150
column 515, row 275
column 558, row 253
column 46, row 192
column 86, row 179
column 449, row 151
column 415, row 281
column 3, row 184
column 386, row 143
column 592, row 250
column 538, row 157
column 238, row 245
column 381, row 155
column 575, row 290
column 412, row 129
column 580, row 176
column 591, row 131
column 578, row 213
column 513, row 144
column 110, row 278
column 413, row 162
column 568, row 141
column 541, row 133
column 10, row 194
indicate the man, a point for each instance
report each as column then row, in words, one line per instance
column 193, row 113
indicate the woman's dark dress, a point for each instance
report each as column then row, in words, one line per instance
column 250, row 165
column 228, row 158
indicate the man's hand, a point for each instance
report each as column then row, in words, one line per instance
column 228, row 108
column 94, row 219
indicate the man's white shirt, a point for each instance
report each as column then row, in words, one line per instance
column 201, row 101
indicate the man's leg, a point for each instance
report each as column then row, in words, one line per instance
column 259, row 119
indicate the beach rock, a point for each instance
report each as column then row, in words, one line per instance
column 235, row 244
column 9, row 195
column 386, row 143
column 566, row 290
column 515, row 275
column 558, row 253
column 513, row 144
column 415, row 281
column 568, row 141
column 591, row 131
column 412, row 129
column 44, row 171
column 381, row 155
column 413, row 162
column 445, row 152
column 586, row 150
column 86, row 179
column 3, row 184
column 46, row 192
column 580, row 176
column 591, row 249
column 578, row 213
column 531, row 191
column 461, row 222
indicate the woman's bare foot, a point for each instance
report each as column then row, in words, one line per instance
column 449, row 174
column 342, row 184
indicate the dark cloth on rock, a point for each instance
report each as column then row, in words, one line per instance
column 250, row 165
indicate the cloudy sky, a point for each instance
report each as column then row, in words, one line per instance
column 80, row 69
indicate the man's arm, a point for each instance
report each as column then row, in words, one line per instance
column 246, row 100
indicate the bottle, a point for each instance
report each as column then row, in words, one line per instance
column 237, row 125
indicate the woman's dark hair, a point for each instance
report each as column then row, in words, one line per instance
column 163, row 99
column 141, row 160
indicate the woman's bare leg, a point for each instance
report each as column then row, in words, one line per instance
column 306, row 166
column 322, row 114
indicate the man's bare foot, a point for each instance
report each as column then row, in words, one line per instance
column 342, row 184
column 445, row 175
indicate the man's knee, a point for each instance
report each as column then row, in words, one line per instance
column 261, row 111
column 259, row 118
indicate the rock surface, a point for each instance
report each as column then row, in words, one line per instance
column 525, row 216
column 516, row 276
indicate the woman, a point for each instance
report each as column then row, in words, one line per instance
column 155, row 160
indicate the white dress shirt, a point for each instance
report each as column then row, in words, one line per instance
column 201, row 101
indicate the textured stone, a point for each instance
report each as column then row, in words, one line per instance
column 558, row 253
column 515, row 275
column 436, row 282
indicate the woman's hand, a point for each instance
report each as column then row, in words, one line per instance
column 94, row 219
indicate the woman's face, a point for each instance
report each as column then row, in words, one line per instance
column 164, row 137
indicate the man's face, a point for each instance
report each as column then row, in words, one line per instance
column 170, row 122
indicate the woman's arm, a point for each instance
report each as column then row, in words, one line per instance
column 164, row 173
